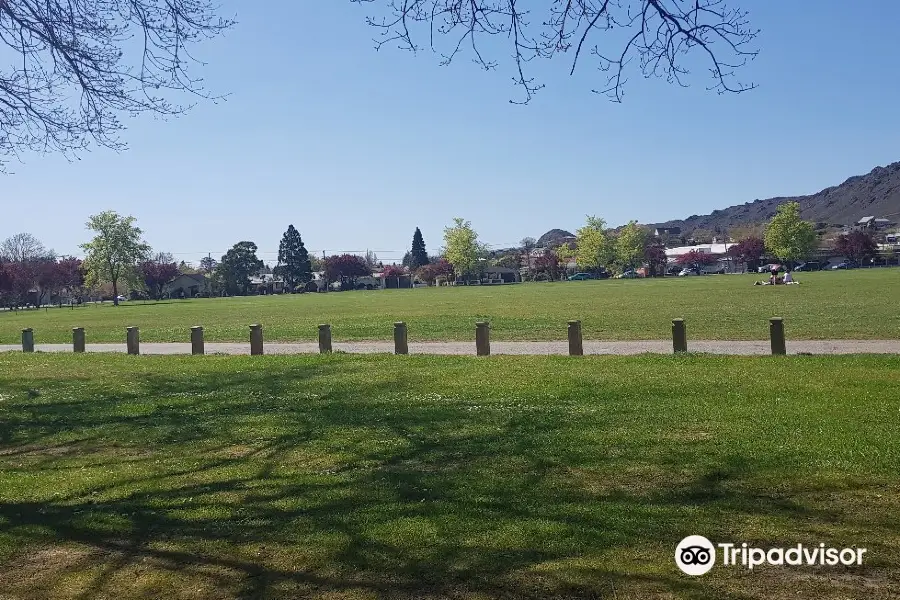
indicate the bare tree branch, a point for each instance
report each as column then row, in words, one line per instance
column 82, row 64
column 658, row 34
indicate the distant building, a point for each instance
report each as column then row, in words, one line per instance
column 664, row 231
column 873, row 223
column 716, row 249
column 188, row 285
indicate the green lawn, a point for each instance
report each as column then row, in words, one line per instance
column 848, row 305
column 413, row 477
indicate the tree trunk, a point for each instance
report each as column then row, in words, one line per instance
column 115, row 292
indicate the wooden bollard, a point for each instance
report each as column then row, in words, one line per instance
column 400, row 343
column 324, row 338
column 133, row 340
column 776, row 334
column 576, row 346
column 78, row 339
column 28, row 340
column 256, row 340
column 482, row 338
column 197, row 340
column 679, row 336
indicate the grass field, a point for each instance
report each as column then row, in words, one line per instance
column 422, row 477
column 846, row 305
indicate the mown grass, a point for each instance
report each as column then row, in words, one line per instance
column 845, row 305
column 349, row 476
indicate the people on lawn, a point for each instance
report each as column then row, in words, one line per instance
column 774, row 279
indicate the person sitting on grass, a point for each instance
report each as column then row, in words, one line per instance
column 788, row 278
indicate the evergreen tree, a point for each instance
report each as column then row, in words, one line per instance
column 293, row 259
column 418, row 254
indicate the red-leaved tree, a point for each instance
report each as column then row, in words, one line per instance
column 394, row 271
column 697, row 259
column 856, row 245
column 655, row 255
column 156, row 274
column 748, row 251
column 346, row 268
column 431, row 272
column 547, row 264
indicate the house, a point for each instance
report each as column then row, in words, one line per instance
column 873, row 223
column 188, row 285
column 664, row 231
column 719, row 249
column 267, row 283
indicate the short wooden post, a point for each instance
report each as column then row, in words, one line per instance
column 679, row 336
column 197, row 340
column 78, row 339
column 133, row 340
column 776, row 334
column 400, row 343
column 324, row 338
column 28, row 340
column 256, row 340
column 576, row 347
column 482, row 338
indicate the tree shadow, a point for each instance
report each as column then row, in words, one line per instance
column 300, row 478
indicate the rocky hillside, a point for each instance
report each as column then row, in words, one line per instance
column 875, row 194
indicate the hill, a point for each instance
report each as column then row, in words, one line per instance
column 874, row 194
column 554, row 237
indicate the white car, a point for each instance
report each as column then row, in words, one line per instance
column 121, row 298
column 686, row 273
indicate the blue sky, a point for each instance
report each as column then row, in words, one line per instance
column 356, row 147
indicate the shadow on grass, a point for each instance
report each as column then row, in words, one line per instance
column 290, row 482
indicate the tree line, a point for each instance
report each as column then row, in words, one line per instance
column 118, row 257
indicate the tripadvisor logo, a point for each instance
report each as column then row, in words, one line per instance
column 696, row 555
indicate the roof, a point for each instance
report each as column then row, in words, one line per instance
column 865, row 220
column 672, row 230
column 701, row 248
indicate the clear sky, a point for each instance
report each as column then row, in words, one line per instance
column 356, row 147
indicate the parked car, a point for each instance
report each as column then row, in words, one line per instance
column 812, row 265
column 686, row 272
column 768, row 268
column 580, row 276
column 844, row 265
column 629, row 274
column 121, row 298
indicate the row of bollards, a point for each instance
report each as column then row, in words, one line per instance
column 401, row 344
column 679, row 336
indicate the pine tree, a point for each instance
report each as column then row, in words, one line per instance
column 418, row 254
column 293, row 259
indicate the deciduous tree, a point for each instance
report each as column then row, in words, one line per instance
column 695, row 259
column 112, row 255
column 654, row 37
column 237, row 266
column 655, row 255
column 346, row 268
column 462, row 248
column 593, row 248
column 157, row 272
column 76, row 67
column 436, row 269
column 23, row 247
column 748, row 251
column 789, row 237
column 630, row 245
column 858, row 246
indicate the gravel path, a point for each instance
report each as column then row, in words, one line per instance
column 538, row 348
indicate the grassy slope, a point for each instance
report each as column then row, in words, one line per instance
column 415, row 477
column 848, row 305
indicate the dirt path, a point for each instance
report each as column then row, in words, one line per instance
column 538, row 348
